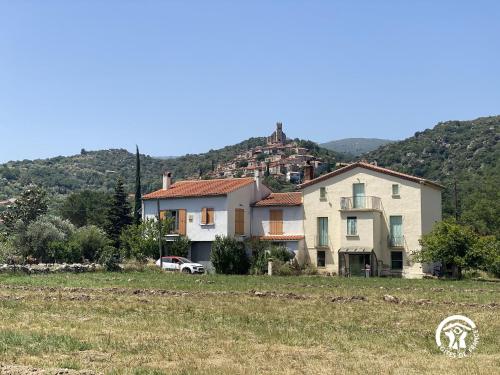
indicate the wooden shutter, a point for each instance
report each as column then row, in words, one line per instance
column 239, row 221
column 210, row 215
column 163, row 215
column 182, row 222
column 276, row 222
column 204, row 215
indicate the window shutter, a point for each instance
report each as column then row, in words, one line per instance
column 203, row 215
column 210, row 216
column 239, row 224
column 163, row 215
column 182, row 222
column 276, row 222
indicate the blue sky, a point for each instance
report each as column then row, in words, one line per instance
column 185, row 76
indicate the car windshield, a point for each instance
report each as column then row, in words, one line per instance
column 184, row 260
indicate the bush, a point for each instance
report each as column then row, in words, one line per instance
column 35, row 239
column 9, row 254
column 280, row 253
column 228, row 256
column 258, row 263
column 87, row 242
column 110, row 259
column 179, row 247
column 141, row 241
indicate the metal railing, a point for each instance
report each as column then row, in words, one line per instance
column 396, row 241
column 322, row 242
column 360, row 202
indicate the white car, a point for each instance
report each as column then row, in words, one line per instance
column 185, row 265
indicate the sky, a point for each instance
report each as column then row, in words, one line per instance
column 179, row 77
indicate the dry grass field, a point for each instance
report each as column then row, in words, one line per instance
column 153, row 323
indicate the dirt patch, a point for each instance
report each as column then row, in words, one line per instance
column 341, row 299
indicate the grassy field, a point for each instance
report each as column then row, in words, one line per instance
column 151, row 323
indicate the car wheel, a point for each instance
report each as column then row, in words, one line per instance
column 186, row 270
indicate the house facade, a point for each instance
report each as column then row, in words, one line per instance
column 203, row 209
column 278, row 218
column 363, row 218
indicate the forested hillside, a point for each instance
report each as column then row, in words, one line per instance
column 98, row 170
column 355, row 146
column 465, row 152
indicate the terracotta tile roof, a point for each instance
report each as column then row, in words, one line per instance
column 373, row 168
column 281, row 199
column 282, row 237
column 200, row 188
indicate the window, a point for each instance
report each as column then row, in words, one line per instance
column 352, row 226
column 172, row 215
column 207, row 216
column 396, row 238
column 178, row 220
column 322, row 231
column 358, row 192
column 395, row 190
column 276, row 222
column 321, row 259
column 322, row 194
column 239, row 221
column 397, row 260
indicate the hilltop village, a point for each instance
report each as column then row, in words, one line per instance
column 281, row 158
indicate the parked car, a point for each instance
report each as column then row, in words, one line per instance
column 174, row 263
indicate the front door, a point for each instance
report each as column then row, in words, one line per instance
column 358, row 192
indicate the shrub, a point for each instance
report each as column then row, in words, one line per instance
column 280, row 253
column 228, row 256
column 87, row 242
column 258, row 263
column 141, row 241
column 9, row 253
column 179, row 247
column 34, row 240
column 110, row 259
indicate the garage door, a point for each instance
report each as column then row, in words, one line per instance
column 200, row 253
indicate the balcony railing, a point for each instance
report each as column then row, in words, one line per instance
column 364, row 202
column 396, row 241
column 322, row 242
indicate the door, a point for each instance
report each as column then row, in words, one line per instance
column 322, row 231
column 276, row 222
column 355, row 264
column 396, row 231
column 358, row 193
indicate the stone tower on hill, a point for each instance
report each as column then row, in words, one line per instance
column 278, row 137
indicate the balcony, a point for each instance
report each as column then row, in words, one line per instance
column 364, row 202
column 322, row 242
column 396, row 241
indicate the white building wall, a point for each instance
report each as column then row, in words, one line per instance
column 194, row 230
column 292, row 220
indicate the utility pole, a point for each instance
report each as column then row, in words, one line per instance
column 159, row 233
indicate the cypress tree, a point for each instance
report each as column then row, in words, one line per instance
column 137, row 201
column 118, row 213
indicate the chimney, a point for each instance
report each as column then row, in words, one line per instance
column 308, row 172
column 167, row 180
column 258, row 179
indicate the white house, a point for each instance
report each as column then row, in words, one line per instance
column 202, row 209
column 364, row 217
column 279, row 218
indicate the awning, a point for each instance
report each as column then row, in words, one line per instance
column 355, row 250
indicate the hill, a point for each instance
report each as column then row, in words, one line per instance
column 355, row 146
column 98, row 170
column 465, row 152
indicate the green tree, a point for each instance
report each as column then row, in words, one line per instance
column 450, row 243
column 86, row 208
column 179, row 246
column 28, row 207
column 141, row 241
column 228, row 256
column 138, row 193
column 118, row 215
column 88, row 242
